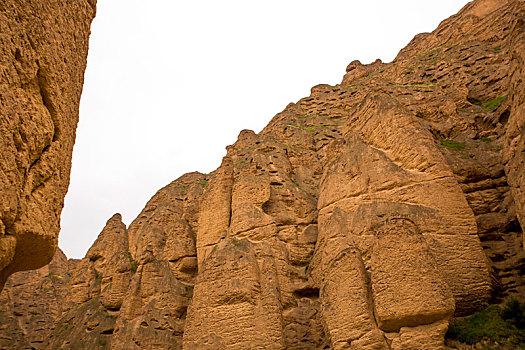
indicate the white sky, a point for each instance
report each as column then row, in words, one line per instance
column 169, row 84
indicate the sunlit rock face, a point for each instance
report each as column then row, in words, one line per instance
column 364, row 216
column 43, row 46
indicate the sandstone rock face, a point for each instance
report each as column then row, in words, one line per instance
column 31, row 303
column 43, row 50
column 162, row 241
column 364, row 216
column 514, row 152
column 236, row 303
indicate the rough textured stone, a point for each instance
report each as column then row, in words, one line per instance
column 429, row 337
column 43, row 50
column 407, row 286
column 514, row 152
column 31, row 302
column 362, row 217
column 236, row 301
column 163, row 251
column 347, row 304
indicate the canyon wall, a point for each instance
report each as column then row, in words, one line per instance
column 364, row 216
column 43, row 52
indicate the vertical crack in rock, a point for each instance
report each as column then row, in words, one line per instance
column 43, row 87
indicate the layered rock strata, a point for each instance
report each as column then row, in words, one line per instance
column 43, row 50
column 364, row 216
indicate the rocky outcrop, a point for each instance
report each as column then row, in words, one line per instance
column 514, row 152
column 43, row 50
column 364, row 216
column 162, row 241
column 31, row 303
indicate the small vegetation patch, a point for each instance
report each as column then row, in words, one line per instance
column 66, row 325
column 53, row 275
column 430, row 51
column 353, row 87
column 492, row 104
column 298, row 186
column 504, row 326
column 133, row 263
column 453, row 145
column 202, row 183
column 486, row 139
column 309, row 128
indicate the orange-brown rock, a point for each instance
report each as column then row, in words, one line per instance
column 43, row 50
column 364, row 216
column 97, row 287
column 236, row 302
column 514, row 141
column 347, row 306
column 162, row 242
column 31, row 302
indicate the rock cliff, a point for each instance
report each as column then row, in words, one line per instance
column 43, row 51
column 364, row 216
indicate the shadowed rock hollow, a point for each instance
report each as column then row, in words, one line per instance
column 364, row 216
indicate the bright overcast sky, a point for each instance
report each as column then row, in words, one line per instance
column 169, row 84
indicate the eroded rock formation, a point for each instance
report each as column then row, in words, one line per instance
column 43, row 50
column 364, row 216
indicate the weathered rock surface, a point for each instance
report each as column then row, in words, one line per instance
column 364, row 216
column 31, row 303
column 43, row 50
